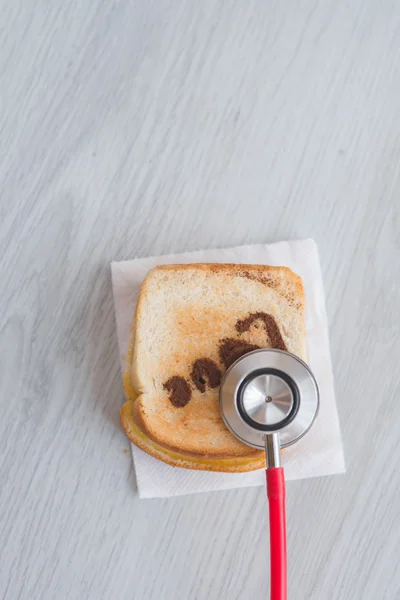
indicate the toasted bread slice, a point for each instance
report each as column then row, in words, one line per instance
column 191, row 323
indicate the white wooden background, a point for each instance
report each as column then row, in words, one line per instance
column 132, row 127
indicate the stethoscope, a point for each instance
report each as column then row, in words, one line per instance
column 269, row 399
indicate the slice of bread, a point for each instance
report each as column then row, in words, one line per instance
column 191, row 323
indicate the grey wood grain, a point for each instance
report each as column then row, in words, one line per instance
column 130, row 128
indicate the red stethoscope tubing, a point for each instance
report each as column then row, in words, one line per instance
column 276, row 493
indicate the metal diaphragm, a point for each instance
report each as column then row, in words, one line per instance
column 268, row 391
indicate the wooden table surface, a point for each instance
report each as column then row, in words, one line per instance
column 130, row 128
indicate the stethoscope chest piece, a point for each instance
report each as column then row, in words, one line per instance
column 269, row 391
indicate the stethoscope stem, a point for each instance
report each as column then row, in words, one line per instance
column 272, row 450
column 276, row 493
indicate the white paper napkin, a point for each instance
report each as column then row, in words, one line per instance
column 320, row 452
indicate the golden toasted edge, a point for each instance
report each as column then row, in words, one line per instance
column 176, row 459
column 126, row 378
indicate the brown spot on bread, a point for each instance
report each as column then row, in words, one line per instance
column 179, row 391
column 205, row 369
column 263, row 278
column 231, row 349
column 272, row 329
